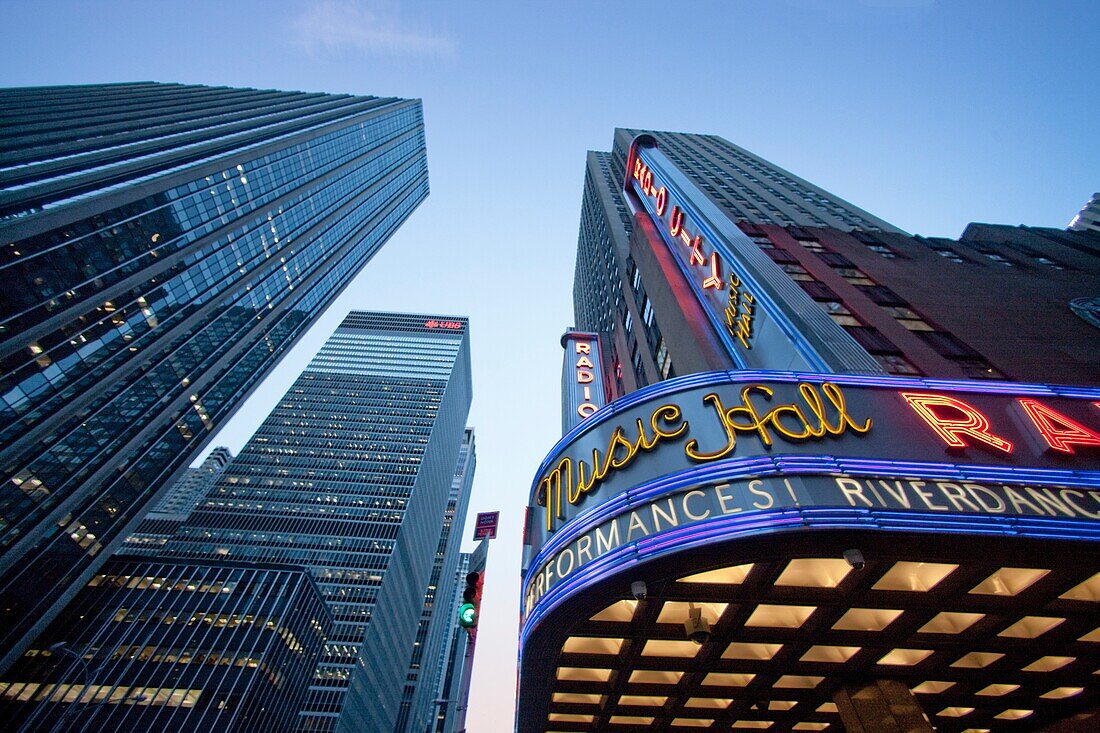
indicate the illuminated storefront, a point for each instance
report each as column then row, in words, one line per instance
column 829, row 529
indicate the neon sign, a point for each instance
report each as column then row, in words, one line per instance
column 711, row 276
column 761, row 423
column 740, row 312
column 811, row 419
column 966, row 420
column 582, row 378
column 585, row 377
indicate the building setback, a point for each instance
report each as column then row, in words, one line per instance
column 176, row 504
column 162, row 246
column 350, row 477
column 148, row 645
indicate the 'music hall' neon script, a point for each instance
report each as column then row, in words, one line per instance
column 811, row 420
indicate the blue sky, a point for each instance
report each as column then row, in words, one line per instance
column 928, row 114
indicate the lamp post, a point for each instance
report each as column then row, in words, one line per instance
column 62, row 647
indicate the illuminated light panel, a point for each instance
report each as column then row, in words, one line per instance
column 692, row 722
column 591, row 645
column 866, row 619
column 676, row 612
column 668, row 648
column 728, row 679
column 997, row 690
column 954, row 712
column 1008, row 581
column 578, row 698
column 1087, row 591
column 781, row 704
column 619, row 611
column 798, row 682
column 709, row 703
column 733, row 575
column 1060, row 693
column 1013, row 714
column 780, row 617
column 751, row 650
column 571, row 718
column 914, row 576
column 977, row 730
column 814, row 572
column 831, row 654
column 651, row 700
column 631, row 720
column 754, row 724
column 1093, row 636
column 654, row 677
column 905, row 657
column 810, row 726
column 827, row 707
column 584, row 674
column 1048, row 664
column 976, row 660
column 1030, row 627
column 932, row 687
column 951, row 622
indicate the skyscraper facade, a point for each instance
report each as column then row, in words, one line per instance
column 846, row 479
column 1089, row 215
column 895, row 298
column 738, row 184
column 162, row 246
column 351, row 477
column 438, row 626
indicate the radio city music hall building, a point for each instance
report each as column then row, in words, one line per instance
column 816, row 473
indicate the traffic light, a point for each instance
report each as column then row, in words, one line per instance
column 471, row 597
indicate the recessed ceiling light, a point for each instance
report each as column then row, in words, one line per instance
column 733, row 575
column 914, row 576
column 1009, row 581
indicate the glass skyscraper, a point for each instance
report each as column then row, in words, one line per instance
column 202, row 646
column 358, row 475
column 161, row 247
column 438, row 627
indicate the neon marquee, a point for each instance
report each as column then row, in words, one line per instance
column 778, row 422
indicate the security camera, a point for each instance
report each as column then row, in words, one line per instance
column 855, row 559
column 638, row 590
column 696, row 627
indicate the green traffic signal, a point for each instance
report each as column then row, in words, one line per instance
column 467, row 615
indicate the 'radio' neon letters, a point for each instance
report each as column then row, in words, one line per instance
column 970, row 421
column 1060, row 432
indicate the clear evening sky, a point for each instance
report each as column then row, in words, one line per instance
column 929, row 114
